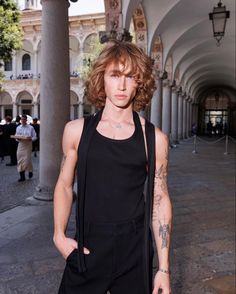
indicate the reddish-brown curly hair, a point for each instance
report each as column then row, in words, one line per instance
column 128, row 54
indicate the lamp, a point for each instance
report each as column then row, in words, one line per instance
column 218, row 18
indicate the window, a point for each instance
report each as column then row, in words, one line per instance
column 8, row 65
column 26, row 62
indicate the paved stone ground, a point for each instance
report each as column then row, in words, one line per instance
column 202, row 188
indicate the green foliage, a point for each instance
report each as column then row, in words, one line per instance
column 95, row 47
column 10, row 32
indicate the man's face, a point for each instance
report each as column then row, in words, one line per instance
column 23, row 121
column 120, row 86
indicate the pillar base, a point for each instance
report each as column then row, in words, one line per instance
column 43, row 193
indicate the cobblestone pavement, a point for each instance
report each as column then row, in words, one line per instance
column 202, row 188
column 14, row 193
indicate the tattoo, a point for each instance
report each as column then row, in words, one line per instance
column 63, row 161
column 161, row 174
column 164, row 232
column 156, row 206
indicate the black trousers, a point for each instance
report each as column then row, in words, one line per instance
column 115, row 262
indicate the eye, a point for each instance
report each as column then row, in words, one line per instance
column 114, row 75
column 131, row 77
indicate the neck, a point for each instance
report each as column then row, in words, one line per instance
column 117, row 114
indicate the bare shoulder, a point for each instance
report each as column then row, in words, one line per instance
column 72, row 132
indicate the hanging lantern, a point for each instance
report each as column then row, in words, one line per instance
column 218, row 18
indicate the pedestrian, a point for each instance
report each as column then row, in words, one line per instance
column 2, row 142
column 36, row 127
column 111, row 150
column 25, row 135
column 11, row 144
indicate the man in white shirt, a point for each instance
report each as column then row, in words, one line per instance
column 24, row 150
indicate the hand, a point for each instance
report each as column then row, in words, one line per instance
column 161, row 281
column 66, row 245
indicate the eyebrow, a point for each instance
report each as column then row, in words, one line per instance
column 118, row 72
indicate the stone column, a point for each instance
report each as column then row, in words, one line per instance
column 20, row 109
column 156, row 104
column 190, row 117
column 36, row 110
column 187, row 117
column 166, row 108
column 35, row 65
column 81, row 109
column 184, row 117
column 180, row 116
column 174, row 116
column 2, row 112
column 72, row 112
column 54, row 93
column 14, row 112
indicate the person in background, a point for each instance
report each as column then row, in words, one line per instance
column 36, row 127
column 24, row 150
column 11, row 144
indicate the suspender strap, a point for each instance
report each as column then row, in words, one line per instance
column 90, row 125
column 150, row 138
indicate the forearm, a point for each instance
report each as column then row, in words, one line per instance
column 161, row 224
column 63, row 199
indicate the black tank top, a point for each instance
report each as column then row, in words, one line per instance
column 116, row 172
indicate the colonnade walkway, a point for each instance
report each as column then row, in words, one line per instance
column 202, row 188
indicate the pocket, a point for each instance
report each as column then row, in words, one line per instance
column 71, row 255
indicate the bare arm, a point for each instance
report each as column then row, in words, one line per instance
column 162, row 213
column 63, row 194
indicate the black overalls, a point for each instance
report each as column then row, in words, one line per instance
column 111, row 218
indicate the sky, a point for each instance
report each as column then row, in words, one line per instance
column 80, row 7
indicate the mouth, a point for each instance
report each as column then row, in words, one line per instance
column 121, row 96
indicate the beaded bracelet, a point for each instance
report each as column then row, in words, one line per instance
column 164, row 271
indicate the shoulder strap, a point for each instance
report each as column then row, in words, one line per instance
column 151, row 150
column 90, row 125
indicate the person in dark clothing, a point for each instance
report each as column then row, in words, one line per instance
column 11, row 144
column 35, row 143
column 2, row 142
column 120, row 84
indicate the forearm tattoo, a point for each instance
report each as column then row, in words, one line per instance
column 164, row 232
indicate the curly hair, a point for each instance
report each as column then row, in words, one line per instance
column 129, row 55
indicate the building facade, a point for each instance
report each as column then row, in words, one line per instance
column 21, row 88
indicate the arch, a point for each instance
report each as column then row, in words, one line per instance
column 90, row 43
column 5, row 98
column 26, row 62
column 74, row 98
column 24, row 95
column 74, row 49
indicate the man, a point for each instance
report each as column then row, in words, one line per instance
column 36, row 127
column 112, row 167
column 11, row 144
column 24, row 149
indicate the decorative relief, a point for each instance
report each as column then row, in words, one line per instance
column 141, row 37
column 114, row 4
column 138, row 12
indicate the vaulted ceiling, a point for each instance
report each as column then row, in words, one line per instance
column 186, row 34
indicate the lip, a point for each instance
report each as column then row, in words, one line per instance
column 121, row 96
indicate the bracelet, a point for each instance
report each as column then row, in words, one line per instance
column 164, row 271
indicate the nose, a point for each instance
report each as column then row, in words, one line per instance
column 122, row 83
